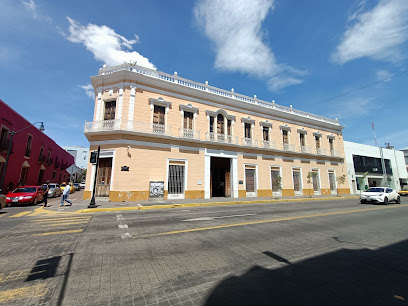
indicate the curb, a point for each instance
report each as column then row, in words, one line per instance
column 163, row 206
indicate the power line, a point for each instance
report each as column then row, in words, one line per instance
column 360, row 88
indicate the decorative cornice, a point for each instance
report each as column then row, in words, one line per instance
column 222, row 112
column 188, row 108
column 159, row 101
column 317, row 134
column 265, row 123
column 302, row 131
column 331, row 136
column 285, row 128
column 248, row 120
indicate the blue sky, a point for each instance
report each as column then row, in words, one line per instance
column 300, row 53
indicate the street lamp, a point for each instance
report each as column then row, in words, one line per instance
column 12, row 133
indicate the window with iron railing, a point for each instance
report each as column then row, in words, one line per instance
column 28, row 147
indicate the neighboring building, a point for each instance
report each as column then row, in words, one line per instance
column 405, row 156
column 162, row 136
column 80, row 154
column 365, row 167
column 35, row 157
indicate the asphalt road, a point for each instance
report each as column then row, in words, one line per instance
column 336, row 252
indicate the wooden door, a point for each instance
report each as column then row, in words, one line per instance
column 104, row 177
column 228, row 184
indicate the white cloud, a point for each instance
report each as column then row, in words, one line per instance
column 356, row 108
column 89, row 90
column 105, row 44
column 32, row 7
column 235, row 28
column 378, row 33
column 382, row 74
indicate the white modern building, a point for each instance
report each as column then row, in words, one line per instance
column 81, row 155
column 405, row 156
column 365, row 168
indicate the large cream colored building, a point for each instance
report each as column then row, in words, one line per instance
column 163, row 136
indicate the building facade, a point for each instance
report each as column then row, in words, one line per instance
column 405, row 156
column 80, row 154
column 34, row 157
column 365, row 168
column 163, row 136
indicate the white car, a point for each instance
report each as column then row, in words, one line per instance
column 380, row 194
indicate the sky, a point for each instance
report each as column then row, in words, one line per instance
column 339, row 59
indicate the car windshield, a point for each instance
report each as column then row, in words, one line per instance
column 63, row 185
column 25, row 189
column 53, row 186
column 375, row 189
column 76, row 184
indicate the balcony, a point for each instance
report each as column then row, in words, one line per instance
column 222, row 138
column 188, row 133
column 288, row 147
column 249, row 142
column 268, row 144
column 304, row 149
column 104, row 125
column 334, row 153
column 161, row 130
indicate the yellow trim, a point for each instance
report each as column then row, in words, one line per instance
column 89, row 210
column 25, row 292
column 60, row 232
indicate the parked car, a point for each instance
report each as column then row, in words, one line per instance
column 403, row 192
column 77, row 187
column 71, row 187
column 380, row 195
column 82, row 185
column 55, row 190
column 25, row 195
column 2, row 201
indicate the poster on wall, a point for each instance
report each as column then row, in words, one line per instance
column 156, row 189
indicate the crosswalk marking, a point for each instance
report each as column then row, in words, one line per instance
column 62, row 224
column 62, row 219
column 20, row 214
column 60, row 232
column 21, row 293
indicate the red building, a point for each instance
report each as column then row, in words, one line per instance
column 34, row 157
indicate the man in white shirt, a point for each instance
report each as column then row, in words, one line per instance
column 65, row 195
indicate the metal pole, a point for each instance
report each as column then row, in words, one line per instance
column 7, row 159
column 92, row 203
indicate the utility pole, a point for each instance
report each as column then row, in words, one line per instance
column 92, row 203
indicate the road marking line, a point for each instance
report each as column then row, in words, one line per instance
column 60, row 232
column 21, row 293
column 66, row 223
column 21, row 214
column 61, row 219
column 126, row 235
column 123, row 226
column 269, row 221
column 220, row 217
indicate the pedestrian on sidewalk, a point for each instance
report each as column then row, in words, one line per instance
column 65, row 195
column 46, row 188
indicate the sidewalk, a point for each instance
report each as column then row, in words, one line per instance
column 81, row 206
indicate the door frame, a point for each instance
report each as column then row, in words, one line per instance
column 297, row 193
column 255, row 193
column 104, row 154
column 166, row 181
column 319, row 191
column 279, row 193
column 333, row 192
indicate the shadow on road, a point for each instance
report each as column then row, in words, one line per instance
column 344, row 277
column 47, row 268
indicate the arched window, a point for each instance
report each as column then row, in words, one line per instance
column 220, row 124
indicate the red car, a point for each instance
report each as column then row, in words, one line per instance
column 25, row 195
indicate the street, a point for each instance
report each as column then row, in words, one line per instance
column 334, row 252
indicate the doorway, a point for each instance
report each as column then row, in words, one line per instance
column 104, row 177
column 220, row 184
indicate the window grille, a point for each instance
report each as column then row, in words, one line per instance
column 176, row 179
column 296, row 180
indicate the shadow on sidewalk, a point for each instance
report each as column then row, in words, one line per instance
column 344, row 277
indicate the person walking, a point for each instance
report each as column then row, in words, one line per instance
column 65, row 195
column 46, row 188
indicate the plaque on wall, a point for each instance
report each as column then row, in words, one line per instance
column 156, row 189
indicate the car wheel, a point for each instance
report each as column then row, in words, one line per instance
column 398, row 201
column 385, row 201
column 362, row 201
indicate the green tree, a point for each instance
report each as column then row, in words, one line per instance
column 276, row 185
